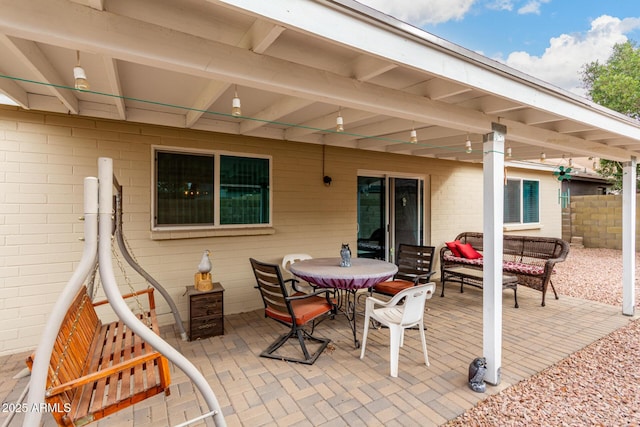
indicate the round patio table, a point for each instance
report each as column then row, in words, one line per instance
column 327, row 273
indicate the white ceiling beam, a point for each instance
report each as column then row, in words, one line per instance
column 396, row 141
column 620, row 142
column 113, row 79
column 46, row 103
column 327, row 122
column 447, row 145
column 208, row 95
column 32, row 57
column 260, row 36
column 447, row 138
column 566, row 126
column 533, row 117
column 379, row 128
column 494, row 105
column 214, row 125
column 95, row 4
column 437, row 89
column 402, row 147
column 367, row 67
column 432, row 133
column 595, row 135
column 156, row 118
column 273, row 112
column 399, row 141
column 14, row 92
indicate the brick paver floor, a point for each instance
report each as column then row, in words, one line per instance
column 340, row 389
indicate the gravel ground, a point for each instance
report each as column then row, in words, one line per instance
column 596, row 386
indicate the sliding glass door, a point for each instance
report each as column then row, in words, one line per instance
column 390, row 212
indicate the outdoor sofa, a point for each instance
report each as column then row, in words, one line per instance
column 530, row 258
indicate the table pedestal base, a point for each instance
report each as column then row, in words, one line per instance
column 347, row 303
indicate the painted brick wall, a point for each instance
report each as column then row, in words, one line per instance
column 45, row 157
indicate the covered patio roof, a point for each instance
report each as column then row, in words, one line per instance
column 295, row 66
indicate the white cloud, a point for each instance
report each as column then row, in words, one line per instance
column 532, row 6
column 562, row 61
column 500, row 5
column 423, row 12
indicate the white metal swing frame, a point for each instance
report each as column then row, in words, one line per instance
column 98, row 220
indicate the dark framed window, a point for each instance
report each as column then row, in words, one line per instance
column 211, row 189
column 244, row 190
column 521, row 201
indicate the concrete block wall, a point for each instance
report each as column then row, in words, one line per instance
column 598, row 220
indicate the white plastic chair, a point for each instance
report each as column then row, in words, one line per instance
column 289, row 259
column 398, row 317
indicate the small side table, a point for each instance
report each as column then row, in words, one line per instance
column 206, row 312
column 474, row 277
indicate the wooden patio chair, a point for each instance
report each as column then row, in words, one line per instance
column 415, row 267
column 294, row 311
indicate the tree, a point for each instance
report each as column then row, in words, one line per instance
column 615, row 85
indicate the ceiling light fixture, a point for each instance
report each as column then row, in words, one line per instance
column 413, row 136
column 543, row 157
column 235, row 104
column 467, row 146
column 81, row 82
column 508, row 152
column 339, row 122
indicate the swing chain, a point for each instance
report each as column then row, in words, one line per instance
column 131, row 288
column 67, row 344
column 74, row 326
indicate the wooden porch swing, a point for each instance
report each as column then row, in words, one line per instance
column 97, row 369
column 84, row 370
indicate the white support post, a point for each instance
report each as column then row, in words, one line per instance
column 493, row 190
column 628, row 236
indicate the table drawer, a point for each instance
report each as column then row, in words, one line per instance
column 204, row 327
column 206, row 305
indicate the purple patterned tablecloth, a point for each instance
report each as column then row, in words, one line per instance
column 327, row 273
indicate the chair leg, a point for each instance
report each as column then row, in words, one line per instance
column 301, row 335
column 554, row 289
column 365, row 332
column 395, row 333
column 424, row 344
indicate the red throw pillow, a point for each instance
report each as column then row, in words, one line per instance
column 467, row 251
column 452, row 247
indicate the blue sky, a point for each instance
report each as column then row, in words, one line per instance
column 548, row 39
